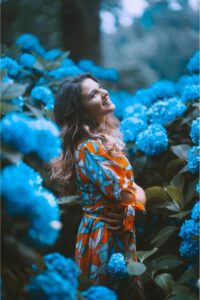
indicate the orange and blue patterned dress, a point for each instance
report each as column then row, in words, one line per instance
column 100, row 177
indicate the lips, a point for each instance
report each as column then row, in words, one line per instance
column 107, row 100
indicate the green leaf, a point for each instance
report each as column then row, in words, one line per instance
column 178, row 181
column 181, row 151
column 12, row 90
column 173, row 167
column 165, row 262
column 190, row 191
column 181, row 215
column 163, row 235
column 142, row 255
column 156, row 192
column 176, row 194
column 180, row 292
column 7, row 107
column 135, row 268
column 188, row 274
column 165, row 281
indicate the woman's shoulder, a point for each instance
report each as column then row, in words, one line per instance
column 89, row 144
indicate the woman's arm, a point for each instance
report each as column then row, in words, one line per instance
column 139, row 193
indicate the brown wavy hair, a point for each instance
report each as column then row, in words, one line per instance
column 76, row 126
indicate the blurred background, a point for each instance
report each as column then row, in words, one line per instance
column 145, row 41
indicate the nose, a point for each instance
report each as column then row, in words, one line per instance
column 104, row 92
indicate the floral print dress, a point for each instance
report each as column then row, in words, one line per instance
column 100, row 177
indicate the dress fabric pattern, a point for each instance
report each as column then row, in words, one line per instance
column 100, row 177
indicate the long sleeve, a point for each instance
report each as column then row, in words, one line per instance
column 111, row 174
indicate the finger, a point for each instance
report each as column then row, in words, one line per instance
column 114, row 222
column 114, row 215
column 114, row 228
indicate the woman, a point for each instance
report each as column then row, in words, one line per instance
column 94, row 164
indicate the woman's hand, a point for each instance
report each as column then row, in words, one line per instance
column 114, row 220
column 139, row 193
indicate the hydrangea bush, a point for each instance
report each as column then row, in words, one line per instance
column 160, row 126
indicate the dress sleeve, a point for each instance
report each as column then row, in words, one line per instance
column 108, row 172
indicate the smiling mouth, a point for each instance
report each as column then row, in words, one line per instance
column 107, row 100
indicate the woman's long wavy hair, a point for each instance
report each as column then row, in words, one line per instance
column 76, row 126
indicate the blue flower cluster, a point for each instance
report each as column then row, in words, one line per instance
column 11, row 65
column 100, row 293
column 44, row 94
column 153, row 140
column 190, row 229
column 23, row 194
column 49, row 285
column 198, row 188
column 52, row 54
column 186, row 80
column 65, row 71
column 195, row 131
column 163, row 112
column 30, row 42
column 28, row 135
column 122, row 100
column 145, row 97
column 193, row 159
column 97, row 71
column 194, row 63
column 191, row 93
column 117, row 266
column 27, row 60
column 136, row 110
column 19, row 102
column 163, row 89
column 131, row 127
column 64, row 266
column 196, row 212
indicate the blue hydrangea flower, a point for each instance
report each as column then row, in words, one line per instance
column 189, row 228
column 186, row 80
column 117, row 266
column 189, row 248
column 191, row 93
column 194, row 63
column 35, row 178
column 121, row 100
column 19, row 102
column 135, row 110
column 67, row 62
column 27, row 60
column 17, row 131
column 49, row 285
column 145, row 96
column 196, row 212
column 131, row 127
column 65, row 71
column 48, row 132
column 23, row 195
column 44, row 94
column 153, row 140
column 52, row 54
column 28, row 135
column 198, row 188
column 163, row 112
column 163, row 89
column 99, row 72
column 30, row 42
column 64, row 266
column 11, row 65
column 193, row 159
column 195, row 131
column 100, row 293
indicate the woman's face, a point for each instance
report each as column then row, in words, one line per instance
column 95, row 100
